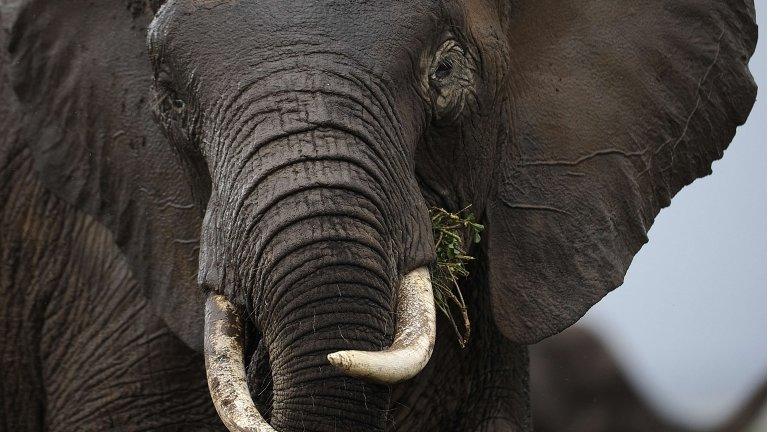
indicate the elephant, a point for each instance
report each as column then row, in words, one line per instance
column 216, row 212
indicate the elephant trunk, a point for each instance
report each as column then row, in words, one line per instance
column 314, row 239
column 331, row 292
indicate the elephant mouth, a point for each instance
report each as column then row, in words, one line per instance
column 410, row 351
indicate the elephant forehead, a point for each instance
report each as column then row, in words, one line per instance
column 245, row 27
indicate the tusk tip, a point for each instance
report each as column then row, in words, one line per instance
column 358, row 364
column 377, row 367
column 341, row 360
column 413, row 342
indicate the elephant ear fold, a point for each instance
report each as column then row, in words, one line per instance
column 613, row 110
column 81, row 72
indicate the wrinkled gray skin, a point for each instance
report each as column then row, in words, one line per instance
column 284, row 154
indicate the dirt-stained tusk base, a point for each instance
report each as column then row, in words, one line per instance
column 225, row 369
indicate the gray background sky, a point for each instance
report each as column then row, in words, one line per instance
column 689, row 323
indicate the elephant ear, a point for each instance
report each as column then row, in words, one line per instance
column 81, row 72
column 614, row 108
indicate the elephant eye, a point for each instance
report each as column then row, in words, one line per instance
column 443, row 69
column 169, row 98
column 177, row 103
column 448, row 58
column 451, row 79
column 172, row 102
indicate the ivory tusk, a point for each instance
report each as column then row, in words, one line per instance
column 225, row 369
column 414, row 337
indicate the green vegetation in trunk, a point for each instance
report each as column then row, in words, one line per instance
column 452, row 232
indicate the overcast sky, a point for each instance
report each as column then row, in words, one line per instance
column 689, row 322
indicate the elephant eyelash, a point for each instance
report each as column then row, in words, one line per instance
column 443, row 70
column 170, row 100
column 176, row 102
column 446, row 60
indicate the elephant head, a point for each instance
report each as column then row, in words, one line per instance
column 302, row 143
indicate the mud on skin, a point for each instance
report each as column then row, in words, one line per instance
column 284, row 154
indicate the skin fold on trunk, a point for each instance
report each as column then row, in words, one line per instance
column 316, row 254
